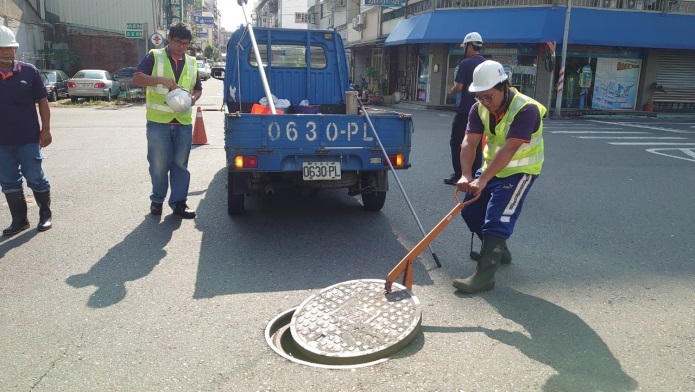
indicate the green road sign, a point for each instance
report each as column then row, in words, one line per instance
column 133, row 34
column 133, row 26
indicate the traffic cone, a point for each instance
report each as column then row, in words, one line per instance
column 199, row 137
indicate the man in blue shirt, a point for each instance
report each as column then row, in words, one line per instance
column 471, row 45
column 21, row 136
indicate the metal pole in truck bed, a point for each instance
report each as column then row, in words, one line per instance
column 398, row 181
column 261, row 69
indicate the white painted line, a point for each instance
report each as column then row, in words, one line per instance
column 645, row 127
column 632, row 137
column 650, row 144
column 687, row 151
column 620, row 132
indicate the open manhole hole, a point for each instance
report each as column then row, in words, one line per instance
column 347, row 325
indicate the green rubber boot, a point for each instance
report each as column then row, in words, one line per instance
column 484, row 276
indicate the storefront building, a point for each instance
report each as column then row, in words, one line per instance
column 617, row 59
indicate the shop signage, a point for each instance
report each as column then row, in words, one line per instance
column 384, row 3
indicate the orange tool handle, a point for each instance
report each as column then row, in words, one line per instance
column 405, row 266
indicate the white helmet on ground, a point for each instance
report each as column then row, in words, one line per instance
column 179, row 100
column 486, row 76
column 7, row 38
column 472, row 38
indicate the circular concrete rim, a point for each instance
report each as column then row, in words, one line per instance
column 280, row 325
column 361, row 357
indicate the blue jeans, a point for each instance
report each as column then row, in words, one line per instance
column 22, row 161
column 168, row 148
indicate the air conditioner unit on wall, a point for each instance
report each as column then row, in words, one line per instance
column 330, row 22
column 357, row 22
column 361, row 20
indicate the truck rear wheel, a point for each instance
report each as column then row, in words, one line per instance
column 374, row 201
column 235, row 203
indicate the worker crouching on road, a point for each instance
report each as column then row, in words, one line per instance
column 22, row 137
column 513, row 157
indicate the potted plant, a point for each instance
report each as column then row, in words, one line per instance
column 653, row 88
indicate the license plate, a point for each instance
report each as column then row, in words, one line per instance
column 84, row 84
column 320, row 171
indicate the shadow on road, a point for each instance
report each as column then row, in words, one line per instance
column 292, row 242
column 131, row 259
column 557, row 338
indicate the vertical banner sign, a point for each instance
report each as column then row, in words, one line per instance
column 423, row 80
column 174, row 11
column 615, row 84
column 198, row 7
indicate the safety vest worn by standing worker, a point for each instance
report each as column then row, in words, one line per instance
column 157, row 109
column 529, row 157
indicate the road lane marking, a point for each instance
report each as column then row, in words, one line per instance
column 619, row 132
column 687, row 151
column 650, row 144
column 633, row 137
column 646, row 127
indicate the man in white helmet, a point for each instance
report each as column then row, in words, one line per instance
column 513, row 158
column 170, row 118
column 471, row 45
column 22, row 136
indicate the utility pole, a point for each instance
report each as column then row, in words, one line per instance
column 561, row 77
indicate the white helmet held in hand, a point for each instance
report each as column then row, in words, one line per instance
column 486, row 76
column 179, row 100
column 7, row 38
column 472, row 38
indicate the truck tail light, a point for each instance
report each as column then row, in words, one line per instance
column 396, row 160
column 99, row 85
column 71, row 84
column 245, row 161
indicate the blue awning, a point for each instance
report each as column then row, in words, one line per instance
column 588, row 26
column 502, row 25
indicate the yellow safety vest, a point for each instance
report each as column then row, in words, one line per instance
column 157, row 109
column 529, row 157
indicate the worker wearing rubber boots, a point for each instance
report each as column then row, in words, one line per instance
column 513, row 157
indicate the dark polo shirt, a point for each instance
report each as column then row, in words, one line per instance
column 525, row 123
column 147, row 64
column 20, row 89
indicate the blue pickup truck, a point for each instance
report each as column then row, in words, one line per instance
column 313, row 144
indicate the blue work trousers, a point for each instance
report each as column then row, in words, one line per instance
column 499, row 205
column 168, row 149
column 24, row 161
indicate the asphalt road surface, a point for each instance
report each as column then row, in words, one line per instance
column 599, row 296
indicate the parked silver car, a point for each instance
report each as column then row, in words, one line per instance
column 93, row 83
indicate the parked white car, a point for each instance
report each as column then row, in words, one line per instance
column 93, row 83
column 204, row 70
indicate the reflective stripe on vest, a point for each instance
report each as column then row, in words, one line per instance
column 157, row 109
column 529, row 157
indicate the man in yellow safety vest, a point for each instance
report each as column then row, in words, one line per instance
column 169, row 126
column 513, row 158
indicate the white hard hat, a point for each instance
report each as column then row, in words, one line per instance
column 472, row 38
column 7, row 39
column 179, row 100
column 486, row 76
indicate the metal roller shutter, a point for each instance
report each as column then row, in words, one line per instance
column 676, row 72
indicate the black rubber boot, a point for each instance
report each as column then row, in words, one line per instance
column 43, row 200
column 18, row 209
column 484, row 276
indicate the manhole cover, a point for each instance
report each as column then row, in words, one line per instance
column 355, row 322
